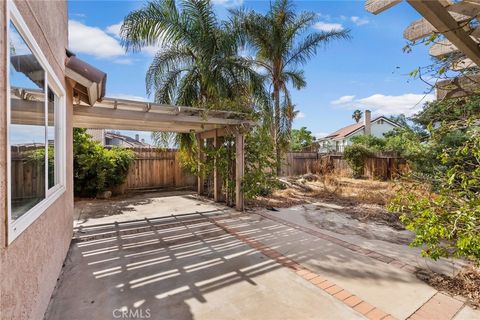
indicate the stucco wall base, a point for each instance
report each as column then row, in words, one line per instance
column 31, row 264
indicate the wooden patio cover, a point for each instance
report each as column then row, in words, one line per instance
column 458, row 22
column 124, row 114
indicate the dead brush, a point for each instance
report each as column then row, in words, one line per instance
column 330, row 184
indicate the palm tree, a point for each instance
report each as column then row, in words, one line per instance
column 281, row 47
column 198, row 62
column 357, row 115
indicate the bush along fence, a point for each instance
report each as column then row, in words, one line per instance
column 383, row 166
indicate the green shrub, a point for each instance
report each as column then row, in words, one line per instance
column 355, row 156
column 95, row 168
column 370, row 142
column 259, row 179
column 446, row 223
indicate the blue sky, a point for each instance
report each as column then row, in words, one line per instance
column 368, row 72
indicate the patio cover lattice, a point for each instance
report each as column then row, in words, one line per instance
column 123, row 114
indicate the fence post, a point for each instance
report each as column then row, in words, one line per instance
column 217, row 178
column 239, row 170
column 201, row 155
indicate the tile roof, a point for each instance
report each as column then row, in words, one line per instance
column 345, row 131
column 341, row 133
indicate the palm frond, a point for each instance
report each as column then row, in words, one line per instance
column 307, row 48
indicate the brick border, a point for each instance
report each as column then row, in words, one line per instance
column 349, row 299
column 439, row 307
column 353, row 247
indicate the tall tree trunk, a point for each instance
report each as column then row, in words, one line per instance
column 278, row 151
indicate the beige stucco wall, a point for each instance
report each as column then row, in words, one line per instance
column 30, row 265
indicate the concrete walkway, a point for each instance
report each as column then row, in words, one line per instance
column 306, row 262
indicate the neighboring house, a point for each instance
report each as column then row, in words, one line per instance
column 110, row 138
column 338, row 140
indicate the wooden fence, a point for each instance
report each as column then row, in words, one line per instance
column 155, row 168
column 380, row 166
column 28, row 175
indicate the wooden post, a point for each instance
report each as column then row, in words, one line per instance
column 239, row 170
column 217, row 178
column 201, row 155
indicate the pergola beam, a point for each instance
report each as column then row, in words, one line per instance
column 377, row 6
column 442, row 48
column 422, row 28
column 97, row 114
column 458, row 87
column 462, row 64
column 439, row 17
column 214, row 133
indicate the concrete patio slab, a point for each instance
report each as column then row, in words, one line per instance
column 393, row 290
column 137, row 259
column 141, row 205
column 181, row 268
column 369, row 235
column 467, row 313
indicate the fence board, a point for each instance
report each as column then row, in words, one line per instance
column 379, row 166
column 154, row 168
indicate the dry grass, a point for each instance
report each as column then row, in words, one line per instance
column 362, row 199
column 344, row 190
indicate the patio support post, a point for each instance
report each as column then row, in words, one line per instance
column 201, row 156
column 239, row 170
column 217, row 178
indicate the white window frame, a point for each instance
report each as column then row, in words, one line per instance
column 15, row 228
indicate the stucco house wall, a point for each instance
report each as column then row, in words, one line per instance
column 379, row 128
column 30, row 265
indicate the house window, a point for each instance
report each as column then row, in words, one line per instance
column 36, row 129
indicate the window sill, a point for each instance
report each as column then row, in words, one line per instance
column 21, row 224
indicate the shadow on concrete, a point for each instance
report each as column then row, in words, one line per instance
column 151, row 264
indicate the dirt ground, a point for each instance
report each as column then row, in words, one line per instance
column 363, row 200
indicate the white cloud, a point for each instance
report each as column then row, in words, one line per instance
column 93, row 41
column 114, row 29
column 325, row 26
column 343, row 100
column 387, row 105
column 152, row 50
column 300, row 115
column 324, row 16
column 228, row 3
column 407, row 104
column 359, row 21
